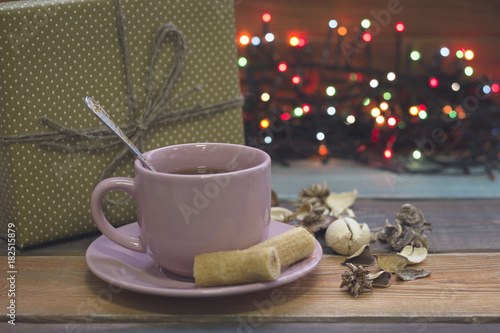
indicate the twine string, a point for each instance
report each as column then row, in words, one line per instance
column 156, row 110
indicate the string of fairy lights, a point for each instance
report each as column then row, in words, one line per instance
column 299, row 104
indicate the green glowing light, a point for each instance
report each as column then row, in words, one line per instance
column 460, row 54
column 365, row 23
column 417, row 154
column 298, row 112
column 387, row 96
column 415, row 55
column 422, row 114
column 468, row 70
column 366, row 101
column 330, row 91
column 242, row 62
column 453, row 114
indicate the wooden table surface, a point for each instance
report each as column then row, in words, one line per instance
column 55, row 291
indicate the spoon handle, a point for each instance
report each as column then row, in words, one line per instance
column 103, row 115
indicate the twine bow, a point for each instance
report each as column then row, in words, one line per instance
column 154, row 113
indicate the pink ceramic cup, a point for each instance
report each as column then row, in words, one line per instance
column 183, row 215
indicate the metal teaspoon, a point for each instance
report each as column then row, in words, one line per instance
column 98, row 110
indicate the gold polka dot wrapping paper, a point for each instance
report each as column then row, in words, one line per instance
column 55, row 53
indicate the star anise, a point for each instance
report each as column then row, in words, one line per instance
column 356, row 280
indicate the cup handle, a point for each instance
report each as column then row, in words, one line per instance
column 121, row 184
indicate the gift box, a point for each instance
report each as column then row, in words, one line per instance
column 165, row 71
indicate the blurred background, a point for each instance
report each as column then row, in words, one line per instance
column 409, row 87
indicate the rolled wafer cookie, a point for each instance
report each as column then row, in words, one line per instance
column 292, row 245
column 236, row 267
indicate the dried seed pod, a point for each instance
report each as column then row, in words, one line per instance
column 409, row 274
column 346, row 236
column 304, row 210
column 356, row 280
column 415, row 255
column 281, row 214
column 411, row 216
column 340, row 202
column 408, row 229
column 380, row 279
column 316, row 196
column 315, row 222
column 362, row 257
column 391, row 262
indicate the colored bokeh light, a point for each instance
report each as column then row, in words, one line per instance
column 468, row 70
column 333, row 24
column 495, row 87
column 269, row 37
column 365, row 23
column 330, row 91
column 244, row 39
column 242, row 62
column 294, row 41
column 265, row 97
column 391, row 121
column 469, row 55
column 380, row 120
column 444, row 51
column 342, row 31
column 367, row 37
column 387, row 153
column 350, row 119
column 282, row 66
column 400, row 27
column 433, row 82
column 296, row 79
column 266, row 17
column 375, row 112
column 285, row 116
column 264, row 123
column 415, row 55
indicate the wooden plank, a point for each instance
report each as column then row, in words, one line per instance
column 264, row 328
column 463, row 288
column 458, row 226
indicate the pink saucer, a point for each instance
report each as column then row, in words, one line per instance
column 138, row 272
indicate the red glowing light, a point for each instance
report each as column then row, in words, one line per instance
column 388, row 153
column 296, row 79
column 495, row 87
column 433, row 82
column 306, row 108
column 322, row 150
column 266, row 17
column 367, row 37
column 302, row 42
column 422, row 107
column 282, row 67
column 285, row 116
column 391, row 121
column 400, row 27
